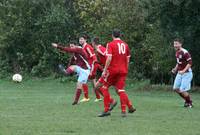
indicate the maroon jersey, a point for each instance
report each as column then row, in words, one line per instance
column 101, row 54
column 183, row 58
column 79, row 58
column 119, row 51
column 90, row 52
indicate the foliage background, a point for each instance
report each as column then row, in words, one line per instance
column 28, row 27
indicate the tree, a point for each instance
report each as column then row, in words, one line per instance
column 28, row 28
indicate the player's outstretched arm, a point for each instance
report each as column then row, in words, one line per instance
column 69, row 49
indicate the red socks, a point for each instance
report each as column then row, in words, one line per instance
column 111, row 100
column 97, row 94
column 188, row 100
column 106, row 99
column 85, row 90
column 77, row 95
column 124, row 101
column 100, row 91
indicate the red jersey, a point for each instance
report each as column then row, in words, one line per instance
column 183, row 58
column 79, row 58
column 101, row 54
column 119, row 51
column 90, row 52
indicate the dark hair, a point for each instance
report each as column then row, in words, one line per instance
column 73, row 42
column 95, row 40
column 116, row 33
column 85, row 36
column 178, row 40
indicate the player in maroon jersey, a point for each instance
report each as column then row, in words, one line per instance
column 116, row 70
column 92, row 59
column 182, row 83
column 80, row 66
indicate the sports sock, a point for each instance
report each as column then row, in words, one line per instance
column 188, row 99
column 106, row 99
column 97, row 93
column 124, row 100
column 77, row 95
column 111, row 100
column 85, row 90
column 128, row 102
column 100, row 90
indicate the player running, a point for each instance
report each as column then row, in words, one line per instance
column 92, row 59
column 184, row 76
column 100, row 51
column 80, row 66
column 116, row 70
column 109, row 102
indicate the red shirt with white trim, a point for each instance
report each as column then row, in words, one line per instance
column 90, row 52
column 119, row 51
column 183, row 58
column 101, row 54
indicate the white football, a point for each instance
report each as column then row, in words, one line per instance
column 17, row 78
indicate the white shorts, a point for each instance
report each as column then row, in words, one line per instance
column 83, row 74
column 183, row 82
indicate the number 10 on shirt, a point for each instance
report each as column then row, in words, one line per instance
column 121, row 48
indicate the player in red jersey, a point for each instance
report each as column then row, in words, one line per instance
column 100, row 51
column 182, row 82
column 80, row 66
column 92, row 59
column 115, row 71
column 109, row 102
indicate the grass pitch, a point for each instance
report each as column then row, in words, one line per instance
column 43, row 107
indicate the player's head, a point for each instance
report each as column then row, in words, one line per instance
column 116, row 33
column 178, row 43
column 72, row 43
column 83, row 39
column 95, row 42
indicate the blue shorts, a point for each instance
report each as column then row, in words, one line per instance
column 183, row 82
column 83, row 74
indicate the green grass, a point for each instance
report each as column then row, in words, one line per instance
column 43, row 107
